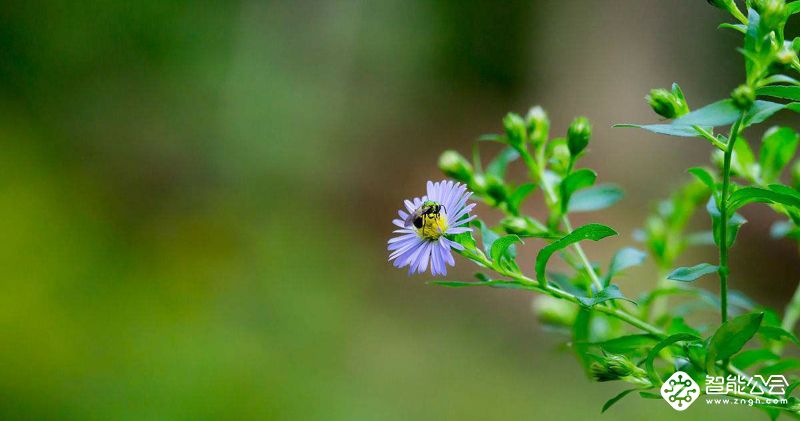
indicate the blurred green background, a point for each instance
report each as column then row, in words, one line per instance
column 196, row 198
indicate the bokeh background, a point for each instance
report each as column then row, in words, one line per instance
column 195, row 199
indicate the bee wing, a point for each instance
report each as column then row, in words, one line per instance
column 409, row 220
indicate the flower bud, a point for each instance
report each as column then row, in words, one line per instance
column 786, row 55
column 796, row 175
column 495, row 188
column 479, row 183
column 515, row 129
column 663, row 103
column 730, row 6
column 558, row 152
column 618, row 367
column 538, row 125
column 773, row 12
column 455, row 166
column 743, row 97
column 554, row 312
column 578, row 135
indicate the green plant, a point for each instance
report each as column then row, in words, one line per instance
column 642, row 342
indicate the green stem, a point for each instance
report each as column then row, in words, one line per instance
column 536, row 169
column 724, row 269
column 582, row 255
column 555, row 292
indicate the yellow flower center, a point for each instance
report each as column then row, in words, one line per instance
column 433, row 226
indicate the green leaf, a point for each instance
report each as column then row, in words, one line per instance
column 761, row 111
column 720, row 113
column 626, row 344
column 501, row 248
column 778, row 146
column 577, row 180
column 487, row 236
column 651, row 356
column 735, row 26
column 515, row 200
column 689, row 274
column 743, row 161
column 610, row 292
column 780, row 367
column 491, row 283
column 678, row 325
column 499, row 164
column 784, row 92
column 492, row 137
column 678, row 93
column 731, row 337
column 667, row 129
column 770, row 80
column 747, row 195
column 793, row 7
column 595, row 198
column 776, row 333
column 734, row 223
column 580, row 337
column 751, row 357
column 650, row 395
column 623, row 259
column 615, row 399
column 594, row 232
column 704, row 176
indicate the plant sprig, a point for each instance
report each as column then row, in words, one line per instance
column 614, row 337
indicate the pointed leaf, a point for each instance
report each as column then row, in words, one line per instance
column 595, row 198
column 751, row 357
column 499, row 164
column 651, row 356
column 594, row 232
column 720, row 113
column 747, row 195
column 610, row 292
column 615, row 399
column 667, row 129
column 704, row 176
column 731, row 337
column 501, row 248
column 776, row 333
column 516, row 198
column 784, row 92
column 575, row 181
column 622, row 260
column 689, row 274
column 734, row 223
column 777, row 149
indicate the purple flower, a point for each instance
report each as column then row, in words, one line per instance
column 422, row 225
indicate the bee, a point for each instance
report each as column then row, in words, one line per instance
column 428, row 210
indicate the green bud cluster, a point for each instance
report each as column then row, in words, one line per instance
column 538, row 125
column 455, row 166
column 578, row 135
column 773, row 12
column 743, row 97
column 667, row 104
column 617, row 367
column 516, row 130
